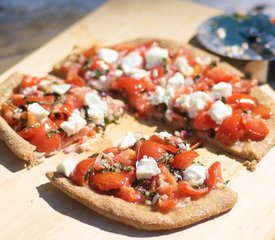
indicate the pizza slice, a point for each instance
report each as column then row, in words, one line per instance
column 151, row 183
column 183, row 86
column 40, row 116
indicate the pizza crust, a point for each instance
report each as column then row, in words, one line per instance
column 215, row 203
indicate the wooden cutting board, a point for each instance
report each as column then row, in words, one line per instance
column 31, row 208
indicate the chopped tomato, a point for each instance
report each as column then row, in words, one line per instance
column 186, row 53
column 241, row 101
column 214, row 175
column 46, row 101
column 150, row 149
column 90, row 51
column 127, row 157
column 219, row 74
column 167, row 176
column 80, row 174
column 166, row 204
column 114, row 150
column 168, row 190
column 108, row 181
column 262, row 110
column 184, row 160
column 255, row 129
column 42, row 141
column 73, row 78
column 129, row 194
column 132, row 86
column 18, row 100
column 204, row 122
column 185, row 188
column 28, row 81
column 7, row 112
column 141, row 104
column 75, row 101
column 157, row 72
column 231, row 129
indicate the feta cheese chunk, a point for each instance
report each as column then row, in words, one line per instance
column 221, row 33
column 132, row 60
column 29, row 90
column 175, row 82
column 220, row 90
column 162, row 95
column 38, row 111
column 163, row 134
column 195, row 174
column 137, row 73
column 97, row 107
column 108, row 55
column 154, row 56
column 203, row 60
column 182, row 64
column 219, row 111
column 74, row 123
column 60, row 88
column 66, row 166
column 193, row 103
column 147, row 167
column 129, row 140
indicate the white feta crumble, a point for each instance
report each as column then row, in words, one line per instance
column 38, row 111
column 176, row 81
column 182, row 64
column 221, row 33
column 74, row 123
column 193, row 103
column 66, row 166
column 108, row 55
column 147, row 167
column 163, row 134
column 128, row 140
column 118, row 73
column 137, row 73
column 97, row 107
column 44, row 83
column 203, row 60
column 154, row 56
column 60, row 88
column 219, row 111
column 29, row 90
column 220, row 90
column 195, row 174
column 132, row 60
column 162, row 95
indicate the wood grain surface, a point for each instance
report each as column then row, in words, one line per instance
column 31, row 208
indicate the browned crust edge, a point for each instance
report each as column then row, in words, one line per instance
column 216, row 202
column 20, row 147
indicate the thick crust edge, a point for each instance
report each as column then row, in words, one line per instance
column 20, row 147
column 218, row 201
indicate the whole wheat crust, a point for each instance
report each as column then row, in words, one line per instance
column 218, row 201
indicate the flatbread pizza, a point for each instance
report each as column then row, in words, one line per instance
column 152, row 184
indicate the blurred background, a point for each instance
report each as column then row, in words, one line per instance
column 25, row 25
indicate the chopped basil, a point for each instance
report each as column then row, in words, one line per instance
column 213, row 64
column 165, row 65
column 226, row 182
column 99, row 73
column 52, row 132
column 94, row 155
column 223, row 99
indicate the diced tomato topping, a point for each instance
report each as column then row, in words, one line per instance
column 108, row 181
column 204, row 122
column 241, row 101
column 243, row 86
column 18, row 100
column 157, row 72
column 129, row 194
column 132, row 86
column 186, row 53
column 219, row 74
column 261, row 110
column 114, row 150
column 75, row 79
column 166, row 204
column 255, row 129
column 80, row 174
column 214, row 175
column 90, row 51
column 76, row 101
column 28, row 81
column 185, row 188
column 7, row 112
column 184, row 159
column 127, row 157
column 231, row 129
column 151, row 149
column 44, row 142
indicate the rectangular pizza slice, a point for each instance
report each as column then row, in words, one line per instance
column 40, row 116
column 152, row 183
column 183, row 86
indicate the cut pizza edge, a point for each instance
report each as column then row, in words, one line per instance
column 22, row 148
column 218, row 201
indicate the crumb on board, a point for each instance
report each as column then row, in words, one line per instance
column 250, row 165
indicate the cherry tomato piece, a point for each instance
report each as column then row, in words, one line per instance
column 184, row 160
column 80, row 174
column 255, row 129
column 108, row 181
column 214, row 175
